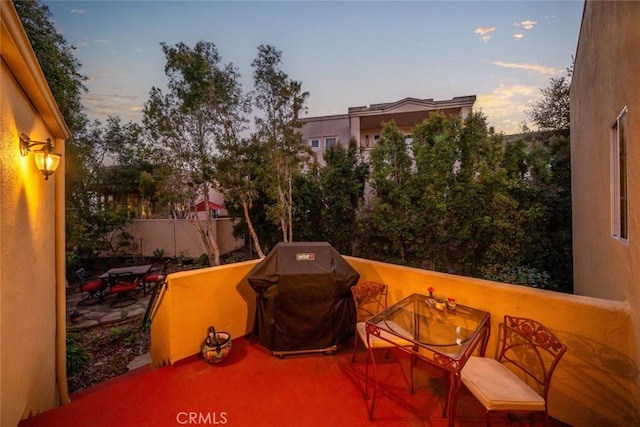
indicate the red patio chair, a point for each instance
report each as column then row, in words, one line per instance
column 123, row 286
column 94, row 288
column 152, row 279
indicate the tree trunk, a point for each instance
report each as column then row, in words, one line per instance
column 282, row 212
column 290, row 208
column 213, row 240
column 209, row 238
column 252, row 232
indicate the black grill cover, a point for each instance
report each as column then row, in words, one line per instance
column 304, row 297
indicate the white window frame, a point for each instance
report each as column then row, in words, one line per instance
column 327, row 139
column 619, row 182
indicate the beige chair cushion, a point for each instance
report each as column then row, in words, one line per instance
column 376, row 342
column 498, row 388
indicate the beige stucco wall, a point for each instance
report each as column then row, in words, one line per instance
column 594, row 385
column 362, row 123
column 606, row 79
column 326, row 127
column 179, row 237
column 30, row 234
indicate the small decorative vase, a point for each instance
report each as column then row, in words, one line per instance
column 216, row 346
column 440, row 305
column 451, row 304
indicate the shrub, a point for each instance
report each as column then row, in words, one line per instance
column 158, row 254
column 78, row 358
column 127, row 335
column 525, row 276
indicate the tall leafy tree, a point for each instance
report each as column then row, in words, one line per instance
column 238, row 170
column 436, row 150
column 55, row 55
column 387, row 222
column 551, row 112
column 280, row 101
column 540, row 166
column 488, row 215
column 308, row 213
column 342, row 185
column 203, row 109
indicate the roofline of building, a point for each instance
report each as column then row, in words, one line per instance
column 456, row 102
column 323, row 118
column 373, row 109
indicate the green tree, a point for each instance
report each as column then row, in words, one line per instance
column 238, row 170
column 342, row 184
column 488, row 217
column 308, row 213
column 203, row 109
column 387, row 221
column 59, row 65
column 552, row 111
column 540, row 165
column 280, row 101
column 436, row 153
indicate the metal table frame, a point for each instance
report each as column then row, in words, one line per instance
column 443, row 343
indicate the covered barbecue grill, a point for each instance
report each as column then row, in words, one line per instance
column 304, row 298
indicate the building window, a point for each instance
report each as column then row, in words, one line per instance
column 315, row 142
column 408, row 139
column 376, row 138
column 619, row 178
column 330, row 142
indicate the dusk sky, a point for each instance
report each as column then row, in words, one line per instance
column 346, row 54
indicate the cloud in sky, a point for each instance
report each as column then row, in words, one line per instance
column 126, row 107
column 527, row 25
column 506, row 106
column 518, row 36
column 77, row 11
column 485, row 32
column 529, row 67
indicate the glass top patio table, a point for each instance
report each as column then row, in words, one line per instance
column 445, row 338
column 416, row 319
column 135, row 270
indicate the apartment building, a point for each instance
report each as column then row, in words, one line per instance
column 365, row 123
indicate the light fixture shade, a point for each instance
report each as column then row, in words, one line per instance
column 46, row 161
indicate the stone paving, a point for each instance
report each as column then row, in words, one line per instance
column 87, row 316
column 110, row 311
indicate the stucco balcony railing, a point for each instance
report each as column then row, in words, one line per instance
column 596, row 383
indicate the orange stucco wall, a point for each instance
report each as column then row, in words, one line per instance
column 595, row 383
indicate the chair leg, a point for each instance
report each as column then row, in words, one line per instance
column 366, row 375
column 375, row 382
column 355, row 346
column 411, row 363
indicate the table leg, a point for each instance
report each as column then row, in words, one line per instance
column 375, row 378
column 450, row 405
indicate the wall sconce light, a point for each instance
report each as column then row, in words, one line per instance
column 46, row 159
